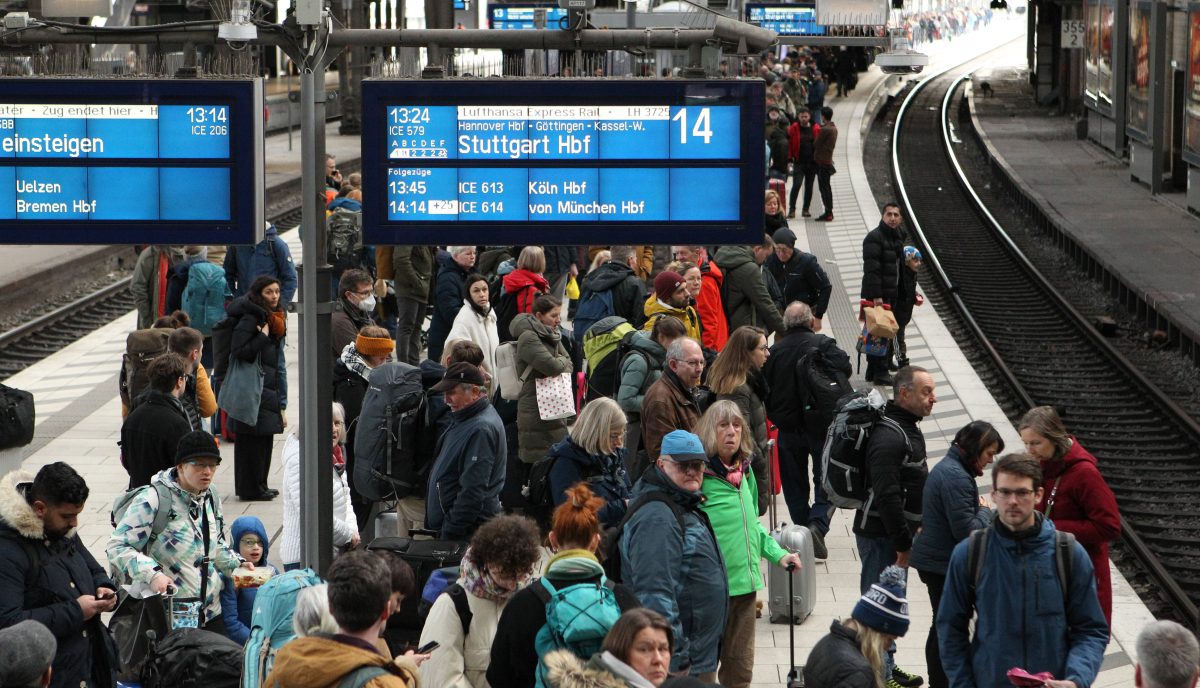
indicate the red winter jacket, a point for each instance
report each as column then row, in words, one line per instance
column 1084, row 506
column 714, row 329
column 525, row 286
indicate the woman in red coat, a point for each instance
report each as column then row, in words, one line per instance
column 1074, row 494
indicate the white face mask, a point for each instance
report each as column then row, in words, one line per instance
column 368, row 304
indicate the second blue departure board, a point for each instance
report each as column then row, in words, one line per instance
column 130, row 161
column 556, row 161
column 785, row 19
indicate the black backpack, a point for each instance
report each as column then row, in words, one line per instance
column 537, row 491
column 388, row 459
column 822, row 382
column 612, row 550
column 16, row 417
column 193, row 658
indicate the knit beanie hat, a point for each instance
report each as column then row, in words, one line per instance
column 883, row 607
column 912, row 253
column 666, row 284
column 373, row 346
column 26, row 650
column 197, row 444
column 785, row 236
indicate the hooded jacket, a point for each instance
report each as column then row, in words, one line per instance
column 655, row 309
column 1085, row 507
column 639, row 371
column 667, row 406
column 271, row 256
column 468, row 473
column 237, row 606
column 896, row 477
column 714, row 329
column 802, row 278
column 65, row 571
column 745, row 297
column 481, row 329
column 1024, row 618
column 604, row 473
column 565, row 670
column 628, row 292
column 181, row 544
column 837, row 662
column 540, row 354
column 447, row 300
column 883, row 257
column 247, row 343
column 412, row 271
column 345, row 525
column 744, row 542
column 322, row 662
column 150, row 435
column 950, row 510
column 680, row 575
column 525, row 286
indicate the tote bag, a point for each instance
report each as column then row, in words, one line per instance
column 555, row 399
column 241, row 390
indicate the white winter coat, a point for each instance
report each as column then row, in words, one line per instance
column 457, row 664
column 481, row 329
column 345, row 525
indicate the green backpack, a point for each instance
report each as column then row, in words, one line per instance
column 577, row 619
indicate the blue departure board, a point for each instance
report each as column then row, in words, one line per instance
column 130, row 161
column 504, row 16
column 558, row 160
column 785, row 19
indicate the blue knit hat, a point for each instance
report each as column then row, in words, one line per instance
column 883, row 607
column 912, row 253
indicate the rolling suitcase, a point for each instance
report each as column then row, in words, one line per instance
column 425, row 557
column 783, row 603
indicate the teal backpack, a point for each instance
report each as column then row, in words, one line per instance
column 577, row 619
column 204, row 297
column 271, row 622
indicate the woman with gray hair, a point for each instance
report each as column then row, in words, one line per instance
column 453, row 266
column 731, row 499
column 594, row 452
column 312, row 612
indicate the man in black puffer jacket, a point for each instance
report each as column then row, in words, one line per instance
column 618, row 275
column 801, row 433
column 883, row 251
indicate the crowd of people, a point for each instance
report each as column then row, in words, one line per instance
column 655, row 473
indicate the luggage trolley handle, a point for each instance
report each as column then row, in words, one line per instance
column 792, row 673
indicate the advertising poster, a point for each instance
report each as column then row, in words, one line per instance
column 1139, row 69
column 1104, row 86
column 1091, row 50
column 1191, row 107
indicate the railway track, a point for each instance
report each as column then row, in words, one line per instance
column 1043, row 352
column 37, row 339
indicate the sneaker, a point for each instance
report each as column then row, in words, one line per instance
column 820, row 551
column 904, row 679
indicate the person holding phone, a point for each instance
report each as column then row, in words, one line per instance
column 463, row 619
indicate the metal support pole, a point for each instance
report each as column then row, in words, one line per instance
column 316, row 472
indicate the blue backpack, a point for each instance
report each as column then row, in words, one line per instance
column 271, row 623
column 595, row 306
column 204, row 297
column 577, row 619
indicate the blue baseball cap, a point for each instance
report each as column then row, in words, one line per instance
column 682, row 446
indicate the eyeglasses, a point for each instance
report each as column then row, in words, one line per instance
column 250, row 542
column 203, row 465
column 694, row 364
column 1007, row 493
column 690, row 466
column 365, row 293
column 764, row 347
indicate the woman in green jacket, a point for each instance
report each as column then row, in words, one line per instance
column 731, row 502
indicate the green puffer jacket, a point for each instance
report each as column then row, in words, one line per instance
column 733, row 513
column 178, row 547
column 540, row 354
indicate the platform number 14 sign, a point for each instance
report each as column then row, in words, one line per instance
column 1073, row 33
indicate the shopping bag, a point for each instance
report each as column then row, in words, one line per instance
column 870, row 345
column 132, row 624
column 241, row 390
column 572, row 289
column 881, row 322
column 555, row 399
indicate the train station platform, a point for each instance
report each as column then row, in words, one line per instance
column 79, row 411
column 1147, row 247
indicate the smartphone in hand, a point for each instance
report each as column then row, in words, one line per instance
column 428, row 647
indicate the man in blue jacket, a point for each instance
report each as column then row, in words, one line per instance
column 468, row 473
column 678, row 573
column 1026, row 618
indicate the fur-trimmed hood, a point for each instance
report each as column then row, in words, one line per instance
column 15, row 512
column 565, row 670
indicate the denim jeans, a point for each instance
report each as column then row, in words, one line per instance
column 876, row 554
column 793, row 476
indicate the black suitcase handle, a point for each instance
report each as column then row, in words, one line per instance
column 793, row 674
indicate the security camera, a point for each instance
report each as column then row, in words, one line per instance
column 901, row 58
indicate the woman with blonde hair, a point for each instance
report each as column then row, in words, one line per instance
column 737, row 375
column 594, row 451
column 854, row 654
column 1075, row 496
column 731, row 499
